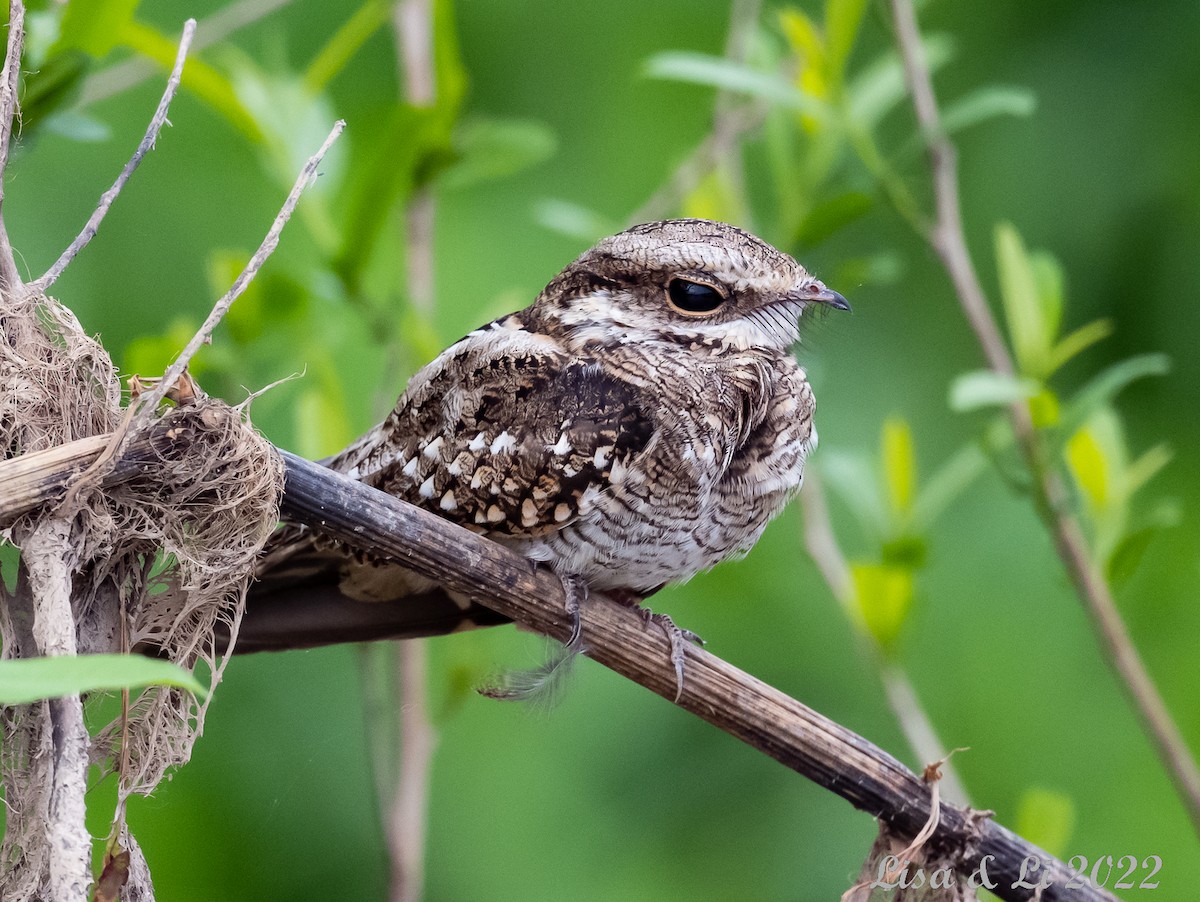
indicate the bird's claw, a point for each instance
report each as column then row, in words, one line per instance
column 575, row 592
column 678, row 639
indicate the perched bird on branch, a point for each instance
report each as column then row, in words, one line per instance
column 642, row 420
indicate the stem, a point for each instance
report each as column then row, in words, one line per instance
column 408, row 817
column 949, row 242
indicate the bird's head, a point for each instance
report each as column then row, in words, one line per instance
column 688, row 281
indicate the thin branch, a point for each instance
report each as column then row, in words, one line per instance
column 132, row 72
column 617, row 637
column 408, row 816
column 146, row 145
column 822, row 546
column 948, row 239
column 9, row 110
column 151, row 399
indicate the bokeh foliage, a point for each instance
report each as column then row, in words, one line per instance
column 552, row 123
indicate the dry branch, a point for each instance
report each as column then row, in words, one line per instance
column 948, row 240
column 147, row 144
column 617, row 637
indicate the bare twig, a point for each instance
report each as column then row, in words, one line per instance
column 132, row 72
column 615, row 636
column 151, row 399
column 147, row 144
column 948, row 240
column 408, row 816
column 9, row 110
column 822, row 545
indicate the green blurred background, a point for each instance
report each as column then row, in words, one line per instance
column 615, row 794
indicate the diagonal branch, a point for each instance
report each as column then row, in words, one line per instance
column 203, row 336
column 949, row 241
column 147, row 144
column 617, row 637
column 9, row 110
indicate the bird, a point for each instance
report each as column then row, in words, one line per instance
column 640, row 422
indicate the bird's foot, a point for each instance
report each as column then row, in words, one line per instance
column 677, row 637
column 575, row 591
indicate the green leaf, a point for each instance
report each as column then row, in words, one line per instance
column 1048, row 275
column 880, row 86
column 573, row 220
column 491, row 149
column 1125, row 558
column 987, row 388
column 343, row 44
column 1105, row 385
column 899, row 466
column 1090, row 468
column 852, row 480
column 883, row 596
column 1027, row 325
column 947, row 482
column 987, row 103
column 95, row 26
column 832, row 215
column 30, row 679
column 1046, row 818
column 321, row 423
column 727, row 75
column 843, row 19
column 1142, row 470
column 1079, row 340
column 414, row 141
column 715, row 196
column 77, row 126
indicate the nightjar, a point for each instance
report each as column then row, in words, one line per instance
column 641, row 421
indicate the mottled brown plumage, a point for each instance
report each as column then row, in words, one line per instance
column 641, row 421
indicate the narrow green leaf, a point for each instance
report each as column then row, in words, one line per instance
column 1090, row 468
column 1078, row 341
column 727, row 75
column 30, row 679
column 852, row 479
column 344, row 43
column 883, row 597
column 95, row 26
column 1027, row 326
column 321, row 423
column 988, row 103
column 986, row 388
column 899, row 466
column 843, row 19
column 573, row 220
column 949, row 481
column 490, row 149
column 832, row 215
column 1142, row 470
column 1046, row 818
column 880, row 86
column 1105, row 385
column 1048, row 275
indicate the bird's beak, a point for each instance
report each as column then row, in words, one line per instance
column 818, row 293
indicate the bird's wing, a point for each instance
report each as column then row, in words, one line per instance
column 504, row 434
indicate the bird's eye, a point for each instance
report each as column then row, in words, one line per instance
column 693, row 297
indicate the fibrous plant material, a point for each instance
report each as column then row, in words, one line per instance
column 162, row 558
